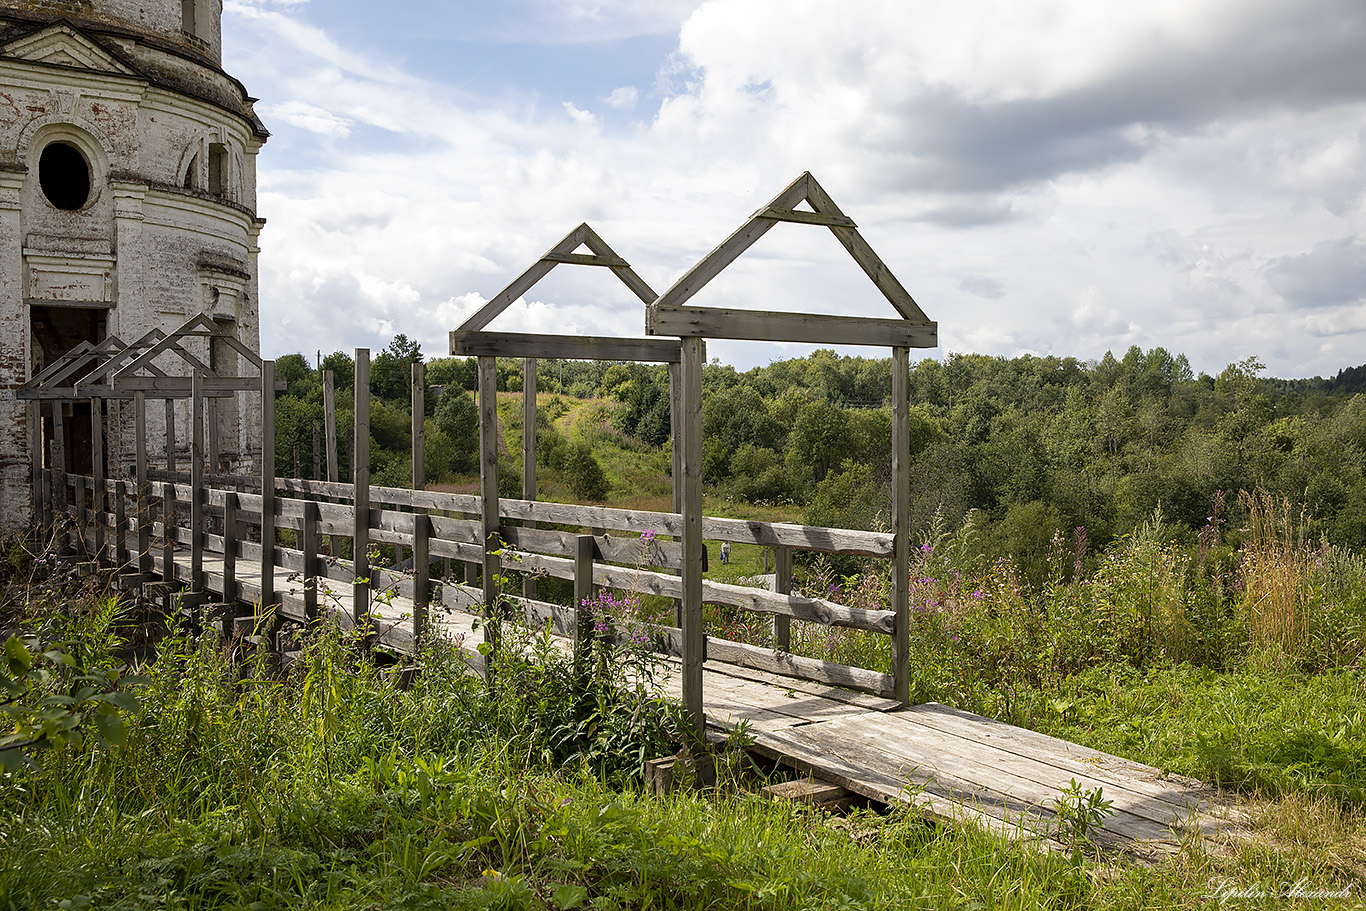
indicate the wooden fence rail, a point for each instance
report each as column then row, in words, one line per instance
column 204, row 531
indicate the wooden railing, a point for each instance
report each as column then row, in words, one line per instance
column 177, row 514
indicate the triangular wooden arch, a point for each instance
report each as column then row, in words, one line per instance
column 668, row 315
column 471, row 339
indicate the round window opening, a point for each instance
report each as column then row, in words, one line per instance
column 64, row 176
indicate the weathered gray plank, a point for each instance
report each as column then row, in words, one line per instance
column 716, row 322
column 573, row 347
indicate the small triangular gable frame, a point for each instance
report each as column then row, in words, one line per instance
column 668, row 315
column 471, row 339
column 127, row 377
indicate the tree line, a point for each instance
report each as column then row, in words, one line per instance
column 1029, row 447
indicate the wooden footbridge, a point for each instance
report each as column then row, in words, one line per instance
column 244, row 548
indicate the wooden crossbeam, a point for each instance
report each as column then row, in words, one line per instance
column 573, row 347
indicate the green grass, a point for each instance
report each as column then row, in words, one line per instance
column 331, row 789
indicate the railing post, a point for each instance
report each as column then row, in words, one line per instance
column 901, row 524
column 694, row 645
column 47, row 504
column 197, row 482
column 676, row 437
column 98, row 499
column 81, row 518
column 144, row 494
column 583, row 597
column 360, row 490
column 782, row 584
column 35, row 448
column 120, row 523
column 422, row 526
column 488, row 489
column 529, row 453
column 168, row 531
column 267, row 486
column 309, row 545
column 230, row 546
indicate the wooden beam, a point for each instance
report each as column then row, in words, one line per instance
column 230, row 544
column 570, row 347
column 711, row 265
column 330, row 424
column 143, row 494
column 901, row 522
column 488, row 477
column 267, row 567
column 170, row 435
column 529, row 451
column 197, row 486
column 360, row 490
column 97, row 473
column 179, row 386
column 584, row 259
column 583, row 594
column 422, row 565
column 694, row 643
column 309, row 544
column 800, row 216
column 715, row 322
column 782, row 576
column 867, row 260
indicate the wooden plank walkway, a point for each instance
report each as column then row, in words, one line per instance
column 951, row 765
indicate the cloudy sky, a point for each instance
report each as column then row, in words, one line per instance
column 1053, row 177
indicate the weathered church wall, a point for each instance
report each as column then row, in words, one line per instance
column 127, row 203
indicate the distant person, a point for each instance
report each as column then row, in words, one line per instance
column 725, row 552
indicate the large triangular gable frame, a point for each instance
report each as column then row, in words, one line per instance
column 668, row 315
column 471, row 339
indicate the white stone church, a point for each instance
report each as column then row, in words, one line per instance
column 127, row 203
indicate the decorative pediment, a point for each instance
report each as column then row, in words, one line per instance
column 62, row 44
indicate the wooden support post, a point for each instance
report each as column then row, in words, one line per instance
column 267, row 487
column 197, row 482
column 81, row 518
column 694, row 644
column 35, row 447
column 120, row 523
column 529, row 453
column 422, row 526
column 144, row 492
column 782, row 583
column 168, row 521
column 583, row 597
column 98, row 488
column 330, row 424
column 48, row 495
column 214, row 458
column 330, row 443
column 360, row 496
column 230, row 544
column 313, row 574
column 170, row 434
column 488, row 476
column 901, row 519
column 676, row 436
